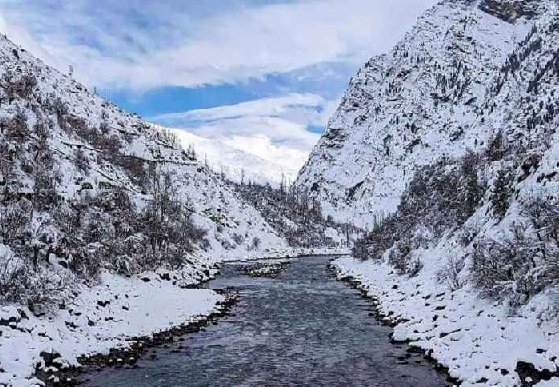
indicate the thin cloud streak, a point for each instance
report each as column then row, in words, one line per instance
column 284, row 120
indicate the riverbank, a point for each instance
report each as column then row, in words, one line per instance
column 109, row 316
column 126, row 356
column 101, row 318
column 478, row 341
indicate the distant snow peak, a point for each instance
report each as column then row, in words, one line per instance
column 244, row 159
column 263, row 139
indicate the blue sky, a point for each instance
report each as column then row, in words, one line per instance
column 287, row 60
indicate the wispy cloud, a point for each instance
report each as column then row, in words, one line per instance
column 137, row 44
column 303, row 108
column 272, row 129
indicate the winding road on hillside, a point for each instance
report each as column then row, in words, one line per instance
column 302, row 328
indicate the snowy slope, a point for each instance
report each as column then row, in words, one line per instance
column 431, row 96
column 460, row 119
column 203, row 189
column 66, row 158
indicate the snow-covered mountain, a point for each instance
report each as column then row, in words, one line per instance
column 446, row 149
column 236, row 164
column 467, row 71
column 95, row 202
column 93, row 148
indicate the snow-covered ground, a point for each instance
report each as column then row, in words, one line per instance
column 108, row 315
column 478, row 340
column 101, row 318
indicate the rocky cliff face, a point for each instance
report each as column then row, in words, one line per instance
column 468, row 73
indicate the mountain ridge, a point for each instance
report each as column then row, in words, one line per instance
column 395, row 97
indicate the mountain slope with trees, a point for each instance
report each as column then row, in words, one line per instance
column 446, row 150
column 95, row 203
column 87, row 187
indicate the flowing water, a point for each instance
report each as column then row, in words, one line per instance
column 302, row 328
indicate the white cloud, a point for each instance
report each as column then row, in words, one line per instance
column 271, row 130
column 284, row 120
column 232, row 46
column 227, row 155
column 273, row 106
column 22, row 36
column 139, row 45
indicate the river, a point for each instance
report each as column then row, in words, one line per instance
column 302, row 328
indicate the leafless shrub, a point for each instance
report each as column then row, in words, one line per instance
column 256, row 243
column 239, row 239
column 81, row 160
column 60, row 110
column 449, row 274
column 399, row 256
column 501, row 193
column 168, row 137
column 135, row 166
column 544, row 215
column 14, row 219
column 168, row 222
column 515, row 268
column 21, row 87
column 13, row 278
column 21, row 282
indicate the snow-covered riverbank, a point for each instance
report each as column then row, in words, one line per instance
column 108, row 315
column 100, row 318
column 479, row 341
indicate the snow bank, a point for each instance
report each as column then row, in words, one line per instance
column 101, row 318
column 479, row 341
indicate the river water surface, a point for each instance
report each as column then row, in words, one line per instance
column 302, row 328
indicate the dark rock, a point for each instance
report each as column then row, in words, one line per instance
column 528, row 371
column 165, row 276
